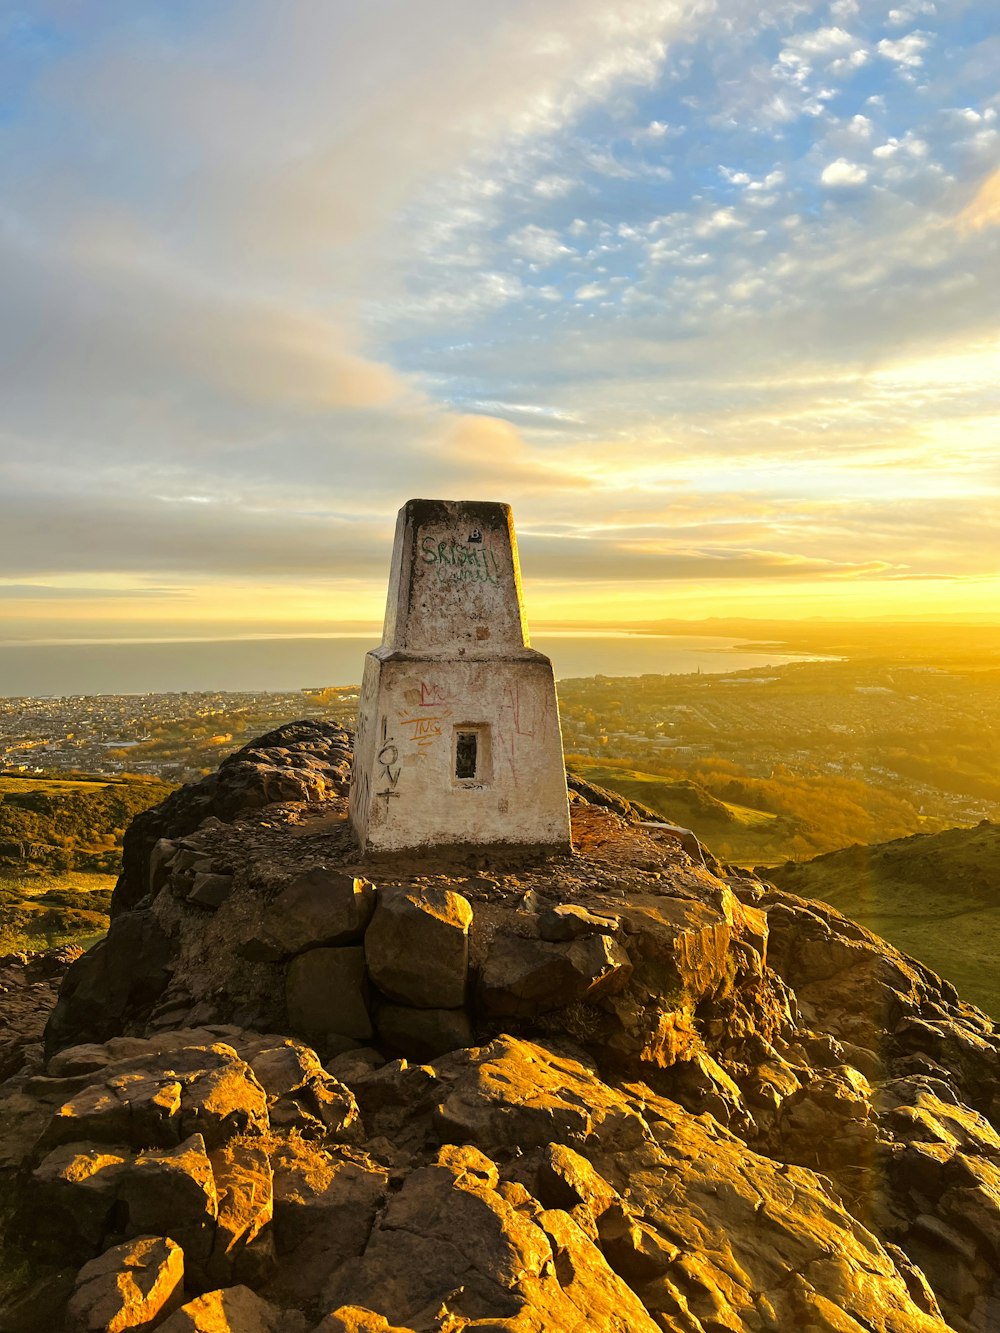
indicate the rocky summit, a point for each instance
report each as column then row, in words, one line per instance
column 621, row 1090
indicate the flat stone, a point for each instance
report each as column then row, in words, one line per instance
column 417, row 947
column 326, row 990
column 232, row 1310
column 568, row 921
column 210, row 890
column 243, row 1186
column 320, row 908
column 172, row 1193
column 355, row 1319
column 522, row 977
column 420, row 1034
column 130, row 1287
column 77, row 1060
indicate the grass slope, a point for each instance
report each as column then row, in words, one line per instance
column 60, row 853
column 936, row 896
column 59, row 824
column 733, row 832
column 40, row 910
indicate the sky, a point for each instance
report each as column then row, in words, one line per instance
column 706, row 290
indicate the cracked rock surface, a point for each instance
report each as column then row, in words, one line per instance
column 622, row 1089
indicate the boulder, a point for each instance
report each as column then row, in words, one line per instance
column 125, row 973
column 517, row 1095
column 588, row 1282
column 171, row 1192
column 210, row 890
column 232, row 1310
column 568, row 921
column 524, row 977
column 320, row 907
column 448, row 1241
column 132, row 1286
column 353, row 1319
column 395, row 1097
column 223, row 1101
column 69, row 1205
column 243, row 1187
column 302, row 1095
column 81, row 1195
column 156, row 1099
column 743, row 1241
column 324, row 1207
column 421, row 1034
column 326, row 990
column 568, row 1181
column 138, row 1108
column 437, row 1226
column 417, row 946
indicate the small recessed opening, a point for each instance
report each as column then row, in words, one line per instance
column 466, row 754
column 472, row 757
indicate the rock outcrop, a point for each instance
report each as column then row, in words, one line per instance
column 616, row 1090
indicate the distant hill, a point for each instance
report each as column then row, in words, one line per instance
column 935, row 896
column 60, row 853
column 731, row 831
column 62, row 823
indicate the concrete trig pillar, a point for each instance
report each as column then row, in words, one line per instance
column 458, row 740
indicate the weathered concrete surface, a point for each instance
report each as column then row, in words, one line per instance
column 455, row 661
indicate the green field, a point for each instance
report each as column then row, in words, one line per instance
column 936, row 897
column 40, row 910
column 750, row 820
column 21, row 782
column 60, row 854
column 60, row 824
column 731, row 830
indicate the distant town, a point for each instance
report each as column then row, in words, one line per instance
column 925, row 733
column 177, row 737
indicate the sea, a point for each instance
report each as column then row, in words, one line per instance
column 283, row 665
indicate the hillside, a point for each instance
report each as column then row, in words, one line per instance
column 936, row 896
column 611, row 1090
column 60, row 853
column 735, row 832
column 70, row 823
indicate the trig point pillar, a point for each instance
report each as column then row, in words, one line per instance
column 458, row 740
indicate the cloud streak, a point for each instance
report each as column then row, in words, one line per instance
column 719, row 272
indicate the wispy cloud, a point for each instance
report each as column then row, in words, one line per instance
column 724, row 271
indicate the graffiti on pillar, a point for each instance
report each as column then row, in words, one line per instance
column 389, row 765
column 462, row 561
column 433, row 695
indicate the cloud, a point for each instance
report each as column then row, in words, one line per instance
column 46, row 592
column 553, row 187
column 822, row 42
column 841, row 173
column 540, row 245
column 601, row 559
column 983, row 210
column 908, row 12
column 908, row 50
column 262, row 281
